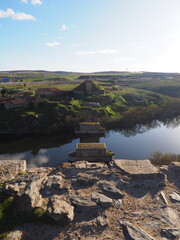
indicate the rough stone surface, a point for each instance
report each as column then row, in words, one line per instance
column 14, row 235
column 171, row 233
column 82, row 200
column 175, row 166
column 30, row 197
column 102, row 199
column 175, row 197
column 140, row 173
column 14, row 188
column 174, row 173
column 94, row 197
column 170, row 217
column 134, row 233
column 9, row 169
column 163, row 198
column 52, row 185
column 110, row 190
column 136, row 167
column 83, row 180
column 102, row 220
column 59, row 209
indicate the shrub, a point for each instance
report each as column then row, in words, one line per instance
column 159, row 158
column 38, row 212
column 22, row 173
column 109, row 153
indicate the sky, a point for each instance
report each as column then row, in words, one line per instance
column 90, row 35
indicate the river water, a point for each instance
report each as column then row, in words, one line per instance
column 137, row 143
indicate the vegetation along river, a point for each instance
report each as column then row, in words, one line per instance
column 137, row 143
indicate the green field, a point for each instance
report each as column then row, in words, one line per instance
column 126, row 102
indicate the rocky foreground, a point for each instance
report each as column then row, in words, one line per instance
column 122, row 200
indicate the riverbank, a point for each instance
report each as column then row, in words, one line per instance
column 92, row 201
column 24, row 111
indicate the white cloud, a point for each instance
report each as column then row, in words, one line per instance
column 9, row 13
column 53, row 44
column 36, row 2
column 97, row 51
column 85, row 52
column 107, row 51
column 123, row 59
column 63, row 27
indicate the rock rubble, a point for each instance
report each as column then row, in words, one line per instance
column 98, row 201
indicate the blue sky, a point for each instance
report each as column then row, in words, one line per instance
column 90, row 35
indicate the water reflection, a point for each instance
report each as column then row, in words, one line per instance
column 89, row 139
column 40, row 160
column 134, row 143
column 139, row 128
column 17, row 144
column 142, row 128
column 172, row 123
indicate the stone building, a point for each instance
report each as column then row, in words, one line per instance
column 92, row 152
column 89, row 87
column 90, row 128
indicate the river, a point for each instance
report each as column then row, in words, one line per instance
column 137, row 143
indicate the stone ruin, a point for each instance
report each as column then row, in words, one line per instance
column 91, row 152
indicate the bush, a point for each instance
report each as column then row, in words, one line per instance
column 159, row 158
column 38, row 212
column 109, row 153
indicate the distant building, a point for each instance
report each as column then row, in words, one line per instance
column 92, row 152
column 50, row 92
column 4, row 79
column 89, row 87
column 90, row 128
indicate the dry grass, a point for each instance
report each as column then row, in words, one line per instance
column 159, row 158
